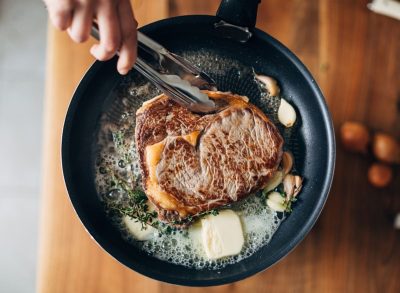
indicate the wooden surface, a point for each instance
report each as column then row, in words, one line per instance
column 355, row 57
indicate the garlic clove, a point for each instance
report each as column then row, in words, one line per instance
column 276, row 202
column 274, row 181
column 292, row 185
column 270, row 84
column 298, row 185
column 286, row 114
column 289, row 185
column 287, row 162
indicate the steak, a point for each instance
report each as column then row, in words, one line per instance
column 193, row 163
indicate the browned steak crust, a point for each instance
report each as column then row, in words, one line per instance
column 204, row 162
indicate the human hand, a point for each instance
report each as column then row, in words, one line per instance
column 117, row 27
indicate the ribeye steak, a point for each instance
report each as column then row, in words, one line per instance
column 193, row 163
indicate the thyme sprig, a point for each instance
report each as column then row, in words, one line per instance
column 213, row 212
column 133, row 204
column 188, row 220
column 288, row 204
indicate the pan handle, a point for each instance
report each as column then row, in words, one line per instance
column 242, row 13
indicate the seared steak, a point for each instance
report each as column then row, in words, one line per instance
column 192, row 163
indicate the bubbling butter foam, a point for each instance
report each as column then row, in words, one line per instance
column 185, row 248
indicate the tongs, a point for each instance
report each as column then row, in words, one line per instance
column 172, row 74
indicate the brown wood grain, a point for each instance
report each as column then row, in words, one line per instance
column 355, row 57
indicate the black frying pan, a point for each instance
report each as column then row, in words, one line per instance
column 314, row 138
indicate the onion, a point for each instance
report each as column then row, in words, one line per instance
column 386, row 148
column 355, row 137
column 380, row 175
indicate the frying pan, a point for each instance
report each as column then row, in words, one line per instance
column 313, row 140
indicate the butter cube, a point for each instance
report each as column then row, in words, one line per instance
column 222, row 234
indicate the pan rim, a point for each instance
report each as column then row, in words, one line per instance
column 279, row 255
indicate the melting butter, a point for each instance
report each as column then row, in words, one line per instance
column 222, row 235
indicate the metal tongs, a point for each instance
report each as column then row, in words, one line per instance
column 172, row 74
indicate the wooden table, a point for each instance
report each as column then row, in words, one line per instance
column 354, row 55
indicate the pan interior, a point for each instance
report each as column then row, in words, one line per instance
column 312, row 140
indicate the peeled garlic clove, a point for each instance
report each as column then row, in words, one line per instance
column 286, row 114
column 276, row 202
column 274, row 181
column 270, row 84
column 287, row 162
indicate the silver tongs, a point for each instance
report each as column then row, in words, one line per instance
column 172, row 74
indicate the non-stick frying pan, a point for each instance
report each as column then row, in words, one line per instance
column 219, row 48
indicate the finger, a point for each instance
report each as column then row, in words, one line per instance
column 128, row 24
column 110, row 34
column 60, row 13
column 94, row 50
column 81, row 21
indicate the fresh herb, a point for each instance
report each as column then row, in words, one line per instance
column 164, row 228
column 192, row 218
column 289, row 203
column 133, row 203
column 214, row 212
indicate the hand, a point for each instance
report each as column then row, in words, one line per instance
column 117, row 27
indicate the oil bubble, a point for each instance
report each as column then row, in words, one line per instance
column 121, row 164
